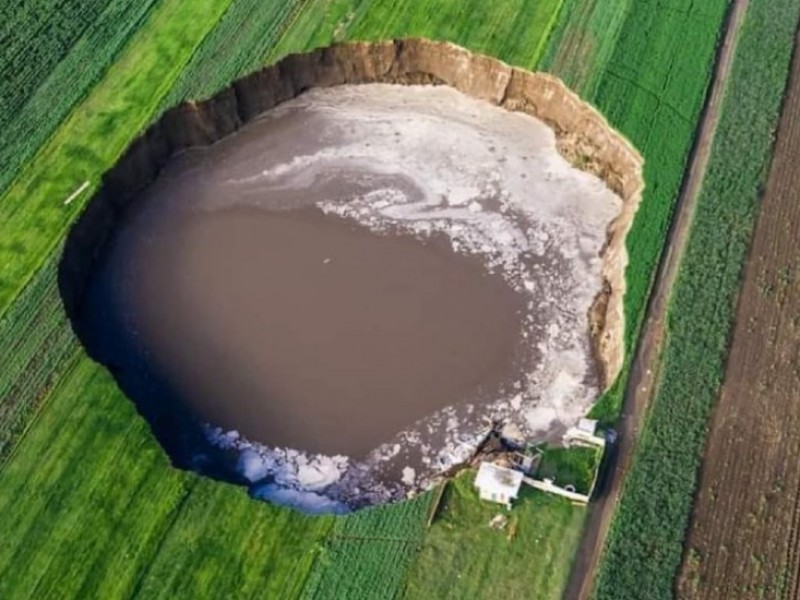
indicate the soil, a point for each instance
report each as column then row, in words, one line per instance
column 744, row 539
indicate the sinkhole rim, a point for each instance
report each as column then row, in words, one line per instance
column 584, row 139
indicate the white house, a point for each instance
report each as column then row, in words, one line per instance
column 498, row 484
column 584, row 434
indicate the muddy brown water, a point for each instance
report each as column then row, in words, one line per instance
column 295, row 328
column 304, row 330
column 371, row 271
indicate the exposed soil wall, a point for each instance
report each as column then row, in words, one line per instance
column 584, row 138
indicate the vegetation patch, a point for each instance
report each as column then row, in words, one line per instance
column 368, row 553
column 652, row 90
column 645, row 541
column 575, row 467
column 56, row 76
column 583, row 42
column 516, row 31
column 470, row 553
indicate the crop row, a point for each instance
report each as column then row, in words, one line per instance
column 370, row 551
column 652, row 90
column 38, row 345
column 584, row 41
column 59, row 86
column 517, row 32
column 247, row 31
column 34, row 39
column 645, row 541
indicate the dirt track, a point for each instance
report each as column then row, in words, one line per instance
column 744, row 541
column 644, row 371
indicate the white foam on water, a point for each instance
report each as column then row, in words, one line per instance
column 495, row 185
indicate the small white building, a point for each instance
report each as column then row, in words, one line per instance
column 498, row 484
column 585, row 434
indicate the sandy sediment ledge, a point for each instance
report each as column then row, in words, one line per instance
column 584, row 137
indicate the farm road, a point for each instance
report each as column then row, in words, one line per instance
column 644, row 371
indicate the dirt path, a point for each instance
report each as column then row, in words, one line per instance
column 644, row 372
column 744, row 537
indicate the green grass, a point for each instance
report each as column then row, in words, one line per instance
column 91, row 509
column 238, row 44
column 463, row 557
column 86, row 489
column 583, row 42
column 38, row 346
column 652, row 90
column 645, row 541
column 223, row 544
column 515, row 30
column 66, row 83
column 34, row 39
column 32, row 215
column 570, row 466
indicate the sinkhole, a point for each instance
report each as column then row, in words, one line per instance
column 329, row 281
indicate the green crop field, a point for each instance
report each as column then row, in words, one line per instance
column 90, row 505
column 58, row 85
column 646, row 540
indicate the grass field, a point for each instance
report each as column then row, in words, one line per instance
column 59, row 86
column 652, row 90
column 516, row 30
column 646, row 539
column 584, row 41
column 570, row 466
column 104, row 515
column 528, row 558
column 39, row 346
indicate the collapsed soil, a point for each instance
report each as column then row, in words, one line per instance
column 354, row 285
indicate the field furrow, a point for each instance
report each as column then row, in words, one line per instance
column 744, row 532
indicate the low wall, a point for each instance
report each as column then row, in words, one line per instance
column 550, row 488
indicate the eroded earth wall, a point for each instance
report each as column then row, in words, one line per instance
column 584, row 138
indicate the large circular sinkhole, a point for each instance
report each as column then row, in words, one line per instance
column 330, row 292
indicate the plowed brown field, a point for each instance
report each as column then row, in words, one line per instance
column 744, row 540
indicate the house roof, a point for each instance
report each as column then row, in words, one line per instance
column 498, row 479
